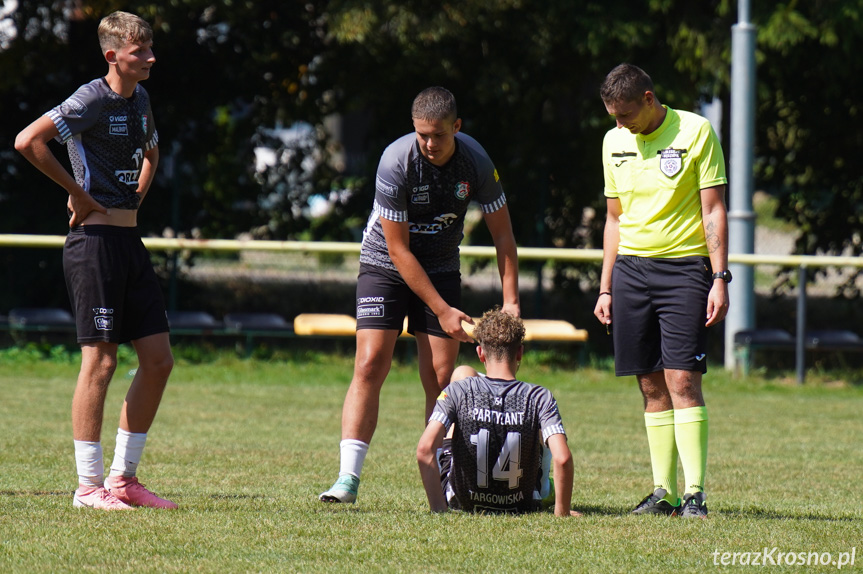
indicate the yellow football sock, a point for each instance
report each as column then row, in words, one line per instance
column 690, row 430
column 663, row 452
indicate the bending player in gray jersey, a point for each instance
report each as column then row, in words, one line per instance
column 503, row 434
column 409, row 266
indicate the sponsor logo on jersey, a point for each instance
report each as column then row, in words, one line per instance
column 366, row 311
column 670, row 161
column 420, row 198
column 127, row 176
column 75, row 106
column 118, row 130
column 462, row 189
column 386, row 188
column 440, row 223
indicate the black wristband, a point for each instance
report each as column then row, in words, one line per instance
column 605, row 293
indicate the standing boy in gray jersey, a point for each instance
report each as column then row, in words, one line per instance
column 108, row 128
column 409, row 266
column 501, row 432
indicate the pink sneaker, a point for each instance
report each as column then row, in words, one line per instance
column 97, row 497
column 130, row 491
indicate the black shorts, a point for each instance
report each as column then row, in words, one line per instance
column 115, row 294
column 384, row 299
column 659, row 308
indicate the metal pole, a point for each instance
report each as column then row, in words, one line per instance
column 741, row 218
column 800, row 351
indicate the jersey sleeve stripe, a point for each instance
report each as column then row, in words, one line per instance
column 154, row 141
column 552, row 430
column 391, row 214
column 60, row 123
column 494, row 206
column 441, row 418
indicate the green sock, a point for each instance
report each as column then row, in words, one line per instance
column 690, row 430
column 663, row 452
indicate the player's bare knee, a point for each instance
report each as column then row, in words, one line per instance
column 462, row 372
column 158, row 367
column 370, row 369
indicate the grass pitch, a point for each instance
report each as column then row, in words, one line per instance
column 245, row 446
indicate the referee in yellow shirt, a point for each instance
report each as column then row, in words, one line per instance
column 664, row 273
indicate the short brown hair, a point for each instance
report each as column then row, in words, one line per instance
column 119, row 28
column 499, row 334
column 625, row 83
column 433, row 104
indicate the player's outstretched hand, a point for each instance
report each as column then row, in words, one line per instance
column 450, row 322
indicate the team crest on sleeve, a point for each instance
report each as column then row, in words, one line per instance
column 144, row 122
column 442, row 396
column 385, row 187
column 671, row 161
column 75, row 106
column 496, row 176
column 462, row 189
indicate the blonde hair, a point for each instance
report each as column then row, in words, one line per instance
column 119, row 28
column 499, row 334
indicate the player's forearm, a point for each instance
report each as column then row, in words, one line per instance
column 507, row 265
column 148, row 172
column 716, row 236
column 430, row 474
column 418, row 280
column 38, row 153
column 563, row 475
column 610, row 244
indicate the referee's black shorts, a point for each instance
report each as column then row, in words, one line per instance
column 384, row 299
column 114, row 292
column 659, row 308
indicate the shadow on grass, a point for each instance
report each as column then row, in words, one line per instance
column 764, row 514
column 751, row 513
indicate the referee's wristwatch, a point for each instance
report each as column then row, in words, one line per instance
column 724, row 275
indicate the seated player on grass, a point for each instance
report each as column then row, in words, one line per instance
column 503, row 434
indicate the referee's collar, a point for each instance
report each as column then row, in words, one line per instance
column 670, row 116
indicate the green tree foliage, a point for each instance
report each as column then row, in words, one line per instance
column 526, row 75
column 809, row 111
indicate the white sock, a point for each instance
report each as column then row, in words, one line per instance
column 353, row 455
column 88, row 458
column 127, row 453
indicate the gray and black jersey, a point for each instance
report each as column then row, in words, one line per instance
column 106, row 135
column 432, row 199
column 501, row 428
